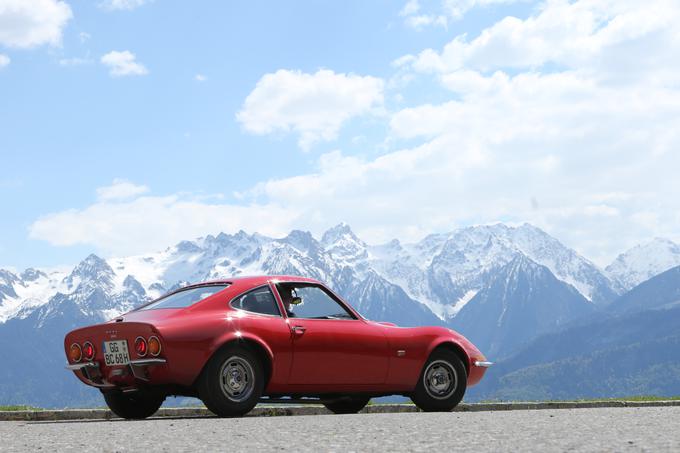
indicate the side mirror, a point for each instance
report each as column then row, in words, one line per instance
column 296, row 301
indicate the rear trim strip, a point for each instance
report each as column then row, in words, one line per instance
column 80, row 366
column 483, row 364
column 145, row 362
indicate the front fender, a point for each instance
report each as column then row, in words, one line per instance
column 469, row 352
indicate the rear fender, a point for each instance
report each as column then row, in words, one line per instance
column 239, row 338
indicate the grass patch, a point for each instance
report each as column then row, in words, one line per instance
column 19, row 407
column 635, row 398
column 592, row 400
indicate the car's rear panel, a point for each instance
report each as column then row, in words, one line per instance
column 119, row 337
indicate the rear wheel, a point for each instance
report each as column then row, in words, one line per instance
column 232, row 382
column 442, row 383
column 134, row 405
column 348, row 405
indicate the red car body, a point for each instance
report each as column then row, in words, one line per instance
column 300, row 357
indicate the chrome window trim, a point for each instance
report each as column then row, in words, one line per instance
column 330, row 293
column 265, row 285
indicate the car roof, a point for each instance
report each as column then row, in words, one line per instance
column 254, row 280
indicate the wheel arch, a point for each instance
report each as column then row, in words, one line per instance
column 251, row 343
column 451, row 345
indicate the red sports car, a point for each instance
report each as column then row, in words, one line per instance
column 241, row 341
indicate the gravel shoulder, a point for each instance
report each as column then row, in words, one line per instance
column 595, row 429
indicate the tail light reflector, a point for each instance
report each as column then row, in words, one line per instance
column 88, row 351
column 141, row 346
column 154, row 346
column 75, row 353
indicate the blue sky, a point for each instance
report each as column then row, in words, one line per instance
column 127, row 125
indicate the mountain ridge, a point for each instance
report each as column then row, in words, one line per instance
column 502, row 286
column 440, row 271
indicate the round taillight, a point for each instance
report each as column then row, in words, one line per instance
column 75, row 353
column 154, row 346
column 141, row 346
column 88, row 351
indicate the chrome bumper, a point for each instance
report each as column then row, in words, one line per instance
column 483, row 364
column 93, row 373
column 80, row 366
column 146, row 362
column 138, row 362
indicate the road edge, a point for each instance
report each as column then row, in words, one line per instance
column 274, row 411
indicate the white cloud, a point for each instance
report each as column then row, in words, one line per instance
column 123, row 64
column 425, row 20
column 410, row 8
column 145, row 223
column 112, row 5
column 414, row 17
column 586, row 150
column 200, row 78
column 456, row 9
column 120, row 189
column 578, row 137
column 26, row 24
column 4, row 60
column 313, row 105
column 75, row 61
column 579, row 34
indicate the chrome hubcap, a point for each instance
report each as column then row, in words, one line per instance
column 237, row 379
column 440, row 379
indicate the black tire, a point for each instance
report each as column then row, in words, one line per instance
column 219, row 388
column 442, row 382
column 348, row 405
column 135, row 405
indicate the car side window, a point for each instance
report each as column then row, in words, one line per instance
column 311, row 302
column 260, row 300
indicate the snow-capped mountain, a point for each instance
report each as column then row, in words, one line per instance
column 443, row 272
column 660, row 291
column 522, row 300
column 643, row 262
column 501, row 285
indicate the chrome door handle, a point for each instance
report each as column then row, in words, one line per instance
column 298, row 330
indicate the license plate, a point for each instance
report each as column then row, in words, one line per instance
column 116, row 353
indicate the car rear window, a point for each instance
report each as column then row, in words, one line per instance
column 185, row 298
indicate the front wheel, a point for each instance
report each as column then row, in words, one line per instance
column 133, row 406
column 347, row 405
column 442, row 383
column 232, row 382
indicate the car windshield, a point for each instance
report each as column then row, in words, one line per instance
column 184, row 298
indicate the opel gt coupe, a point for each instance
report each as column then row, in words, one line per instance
column 237, row 342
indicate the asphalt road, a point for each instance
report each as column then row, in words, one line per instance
column 604, row 429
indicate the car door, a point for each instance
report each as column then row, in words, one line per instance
column 331, row 345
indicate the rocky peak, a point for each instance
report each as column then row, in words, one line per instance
column 301, row 240
column 341, row 242
column 644, row 261
column 341, row 231
column 133, row 286
column 31, row 274
column 7, row 278
column 92, row 270
column 187, row 247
